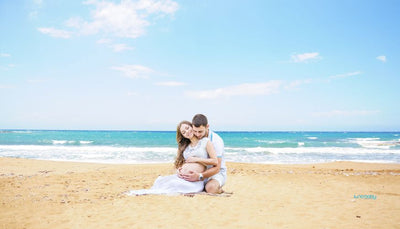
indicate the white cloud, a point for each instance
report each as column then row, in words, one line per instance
column 104, row 41
column 127, row 19
column 7, row 66
column 35, row 8
column 4, row 55
column 171, row 84
column 4, row 86
column 115, row 47
column 341, row 113
column 305, row 57
column 132, row 93
column 296, row 83
column 164, row 6
column 36, row 81
column 246, row 89
column 134, row 71
column 120, row 47
column 346, row 75
column 55, row 32
column 38, row 2
column 381, row 58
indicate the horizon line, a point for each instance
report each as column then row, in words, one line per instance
column 119, row 130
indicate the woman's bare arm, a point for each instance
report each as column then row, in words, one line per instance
column 206, row 161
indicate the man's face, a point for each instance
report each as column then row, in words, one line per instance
column 200, row 131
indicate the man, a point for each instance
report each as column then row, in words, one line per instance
column 215, row 177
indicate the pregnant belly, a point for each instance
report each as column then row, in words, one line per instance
column 195, row 167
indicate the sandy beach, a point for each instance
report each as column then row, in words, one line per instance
column 48, row 194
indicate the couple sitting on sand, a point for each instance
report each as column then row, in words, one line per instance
column 200, row 161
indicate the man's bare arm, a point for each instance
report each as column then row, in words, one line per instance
column 213, row 170
column 194, row 176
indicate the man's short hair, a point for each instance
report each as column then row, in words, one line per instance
column 199, row 120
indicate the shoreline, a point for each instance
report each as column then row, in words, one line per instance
column 383, row 163
column 53, row 194
column 232, row 162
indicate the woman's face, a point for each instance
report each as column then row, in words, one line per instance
column 186, row 131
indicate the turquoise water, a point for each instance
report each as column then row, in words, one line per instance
column 160, row 146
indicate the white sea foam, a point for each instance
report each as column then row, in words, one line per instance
column 272, row 141
column 300, row 143
column 71, row 142
column 21, row 131
column 59, row 142
column 374, row 143
column 312, row 138
column 123, row 155
column 108, row 154
column 85, row 142
column 312, row 150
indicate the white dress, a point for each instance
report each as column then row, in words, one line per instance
column 172, row 184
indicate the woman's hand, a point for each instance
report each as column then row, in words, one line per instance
column 179, row 172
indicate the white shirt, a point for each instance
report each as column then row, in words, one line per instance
column 218, row 144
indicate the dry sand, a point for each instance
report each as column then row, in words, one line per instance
column 47, row 194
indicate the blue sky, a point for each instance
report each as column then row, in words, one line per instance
column 248, row 65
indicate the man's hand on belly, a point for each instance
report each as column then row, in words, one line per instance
column 190, row 176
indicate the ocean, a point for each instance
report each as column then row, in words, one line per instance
column 143, row 147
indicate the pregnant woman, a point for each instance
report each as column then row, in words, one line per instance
column 193, row 155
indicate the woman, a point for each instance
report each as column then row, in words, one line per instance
column 193, row 155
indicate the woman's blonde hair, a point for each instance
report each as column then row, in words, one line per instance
column 182, row 144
